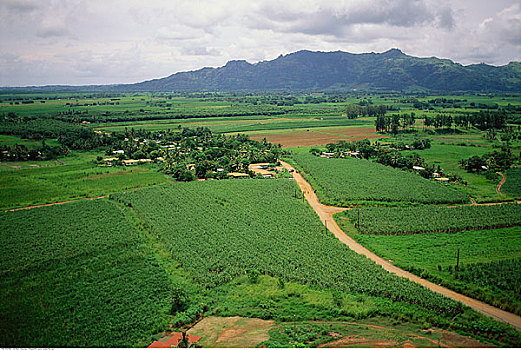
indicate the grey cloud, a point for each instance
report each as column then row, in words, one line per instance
column 201, row 51
column 20, row 5
column 336, row 20
column 95, row 41
column 52, row 31
column 504, row 26
column 446, row 18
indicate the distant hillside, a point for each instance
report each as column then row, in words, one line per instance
column 308, row 70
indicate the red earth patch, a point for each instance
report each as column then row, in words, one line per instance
column 173, row 340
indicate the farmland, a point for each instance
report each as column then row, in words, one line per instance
column 434, row 256
column 48, row 182
column 205, row 213
column 512, row 186
column 427, row 219
column 177, row 251
column 350, row 181
column 80, row 275
column 210, row 213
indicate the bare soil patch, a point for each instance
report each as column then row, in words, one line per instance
column 318, row 136
column 359, row 341
column 232, row 332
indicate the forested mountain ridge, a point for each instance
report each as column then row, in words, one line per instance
column 338, row 70
column 301, row 70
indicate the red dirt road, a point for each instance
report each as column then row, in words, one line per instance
column 326, row 216
column 57, row 203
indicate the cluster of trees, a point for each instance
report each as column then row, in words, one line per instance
column 482, row 120
column 357, row 110
column 188, row 154
column 23, row 153
column 392, row 123
column 490, row 162
column 70, row 135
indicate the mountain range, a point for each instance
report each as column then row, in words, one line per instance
column 311, row 70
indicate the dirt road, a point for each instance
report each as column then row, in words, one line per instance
column 56, row 203
column 501, row 182
column 325, row 214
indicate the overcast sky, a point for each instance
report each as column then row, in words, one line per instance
column 123, row 41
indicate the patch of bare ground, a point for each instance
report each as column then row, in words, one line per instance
column 384, row 337
column 232, row 332
column 316, row 137
column 455, row 340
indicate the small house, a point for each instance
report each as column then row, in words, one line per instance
column 238, row 175
column 327, row 154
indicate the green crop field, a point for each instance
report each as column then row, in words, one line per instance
column 78, row 275
column 512, row 185
column 434, row 218
column 350, row 181
column 434, row 256
column 234, row 226
column 156, row 255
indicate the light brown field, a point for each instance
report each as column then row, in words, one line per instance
column 317, row 136
column 232, row 332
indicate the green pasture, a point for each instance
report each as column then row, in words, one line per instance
column 10, row 140
column 51, row 182
column 434, row 255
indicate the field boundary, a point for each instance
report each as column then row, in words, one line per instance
column 55, row 203
column 327, row 219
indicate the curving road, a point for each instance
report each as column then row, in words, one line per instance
column 326, row 216
column 501, row 182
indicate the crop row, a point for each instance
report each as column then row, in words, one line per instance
column 221, row 229
column 344, row 181
column 77, row 275
column 432, row 218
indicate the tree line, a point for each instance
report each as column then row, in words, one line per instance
column 483, row 120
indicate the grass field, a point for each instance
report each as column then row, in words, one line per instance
column 434, row 256
column 49, row 182
column 10, row 140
